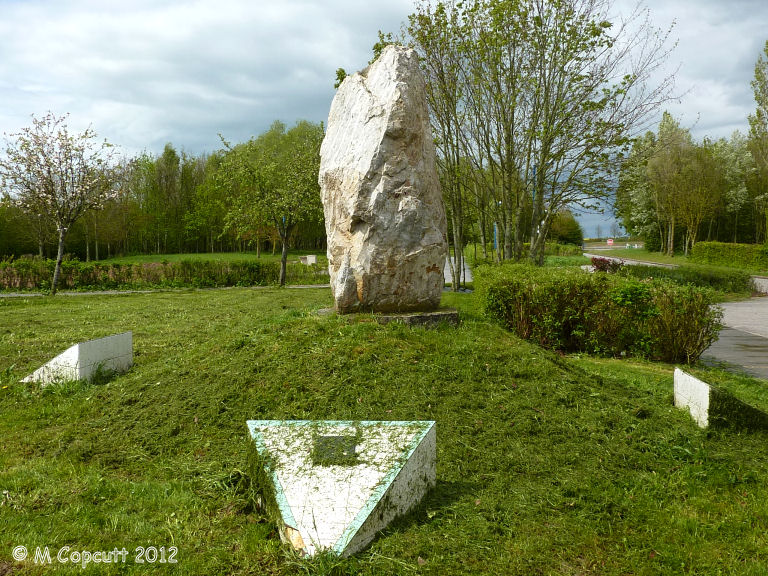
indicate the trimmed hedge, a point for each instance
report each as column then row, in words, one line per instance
column 36, row 274
column 729, row 280
column 550, row 249
column 749, row 256
column 570, row 310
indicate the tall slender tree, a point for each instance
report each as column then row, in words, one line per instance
column 758, row 129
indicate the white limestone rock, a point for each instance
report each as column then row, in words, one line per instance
column 384, row 214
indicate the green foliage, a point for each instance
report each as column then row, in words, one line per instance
column 727, row 280
column 546, row 464
column 274, row 178
column 748, row 256
column 570, row 310
column 758, row 131
column 687, row 323
column 526, row 94
column 35, row 274
column 609, row 265
column 565, row 229
column 340, row 75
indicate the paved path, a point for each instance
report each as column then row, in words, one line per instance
column 629, row 261
column 744, row 341
column 449, row 276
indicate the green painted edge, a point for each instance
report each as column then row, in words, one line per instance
column 282, row 501
column 383, row 486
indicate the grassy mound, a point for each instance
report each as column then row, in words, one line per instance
column 546, row 464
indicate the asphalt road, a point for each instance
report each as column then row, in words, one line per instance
column 744, row 340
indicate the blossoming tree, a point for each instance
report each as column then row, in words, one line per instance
column 58, row 176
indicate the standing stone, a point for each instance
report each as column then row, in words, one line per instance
column 384, row 214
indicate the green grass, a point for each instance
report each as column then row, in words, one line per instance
column 546, row 464
column 566, row 261
column 640, row 254
column 646, row 256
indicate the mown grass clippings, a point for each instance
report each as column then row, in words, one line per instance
column 546, row 464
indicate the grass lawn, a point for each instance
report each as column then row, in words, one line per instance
column 640, row 254
column 546, row 464
column 293, row 256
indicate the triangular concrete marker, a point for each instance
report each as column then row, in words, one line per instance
column 337, row 483
column 83, row 360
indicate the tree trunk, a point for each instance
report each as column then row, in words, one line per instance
column 671, row 238
column 284, row 260
column 456, row 263
column 87, row 245
column 59, row 258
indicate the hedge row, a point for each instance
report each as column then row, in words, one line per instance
column 722, row 279
column 608, row 314
column 36, row 274
column 749, row 256
column 550, row 249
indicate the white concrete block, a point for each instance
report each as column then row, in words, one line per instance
column 760, row 284
column 338, row 483
column 83, row 360
column 693, row 394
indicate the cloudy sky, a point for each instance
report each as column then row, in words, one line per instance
column 147, row 72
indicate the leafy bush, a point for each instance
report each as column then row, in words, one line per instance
column 550, row 249
column 555, row 249
column 687, row 322
column 750, row 256
column 606, row 264
column 722, row 279
column 570, row 310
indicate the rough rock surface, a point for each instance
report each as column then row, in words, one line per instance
column 384, row 213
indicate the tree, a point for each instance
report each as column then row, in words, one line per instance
column 566, row 229
column 544, row 96
column 665, row 170
column 700, row 193
column 758, row 128
column 275, row 176
column 57, row 175
column 436, row 34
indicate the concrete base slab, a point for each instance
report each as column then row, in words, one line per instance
column 333, row 485
column 82, row 361
column 428, row 319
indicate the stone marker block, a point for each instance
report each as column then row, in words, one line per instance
column 712, row 406
column 384, row 215
column 333, row 485
column 693, row 394
column 83, row 360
